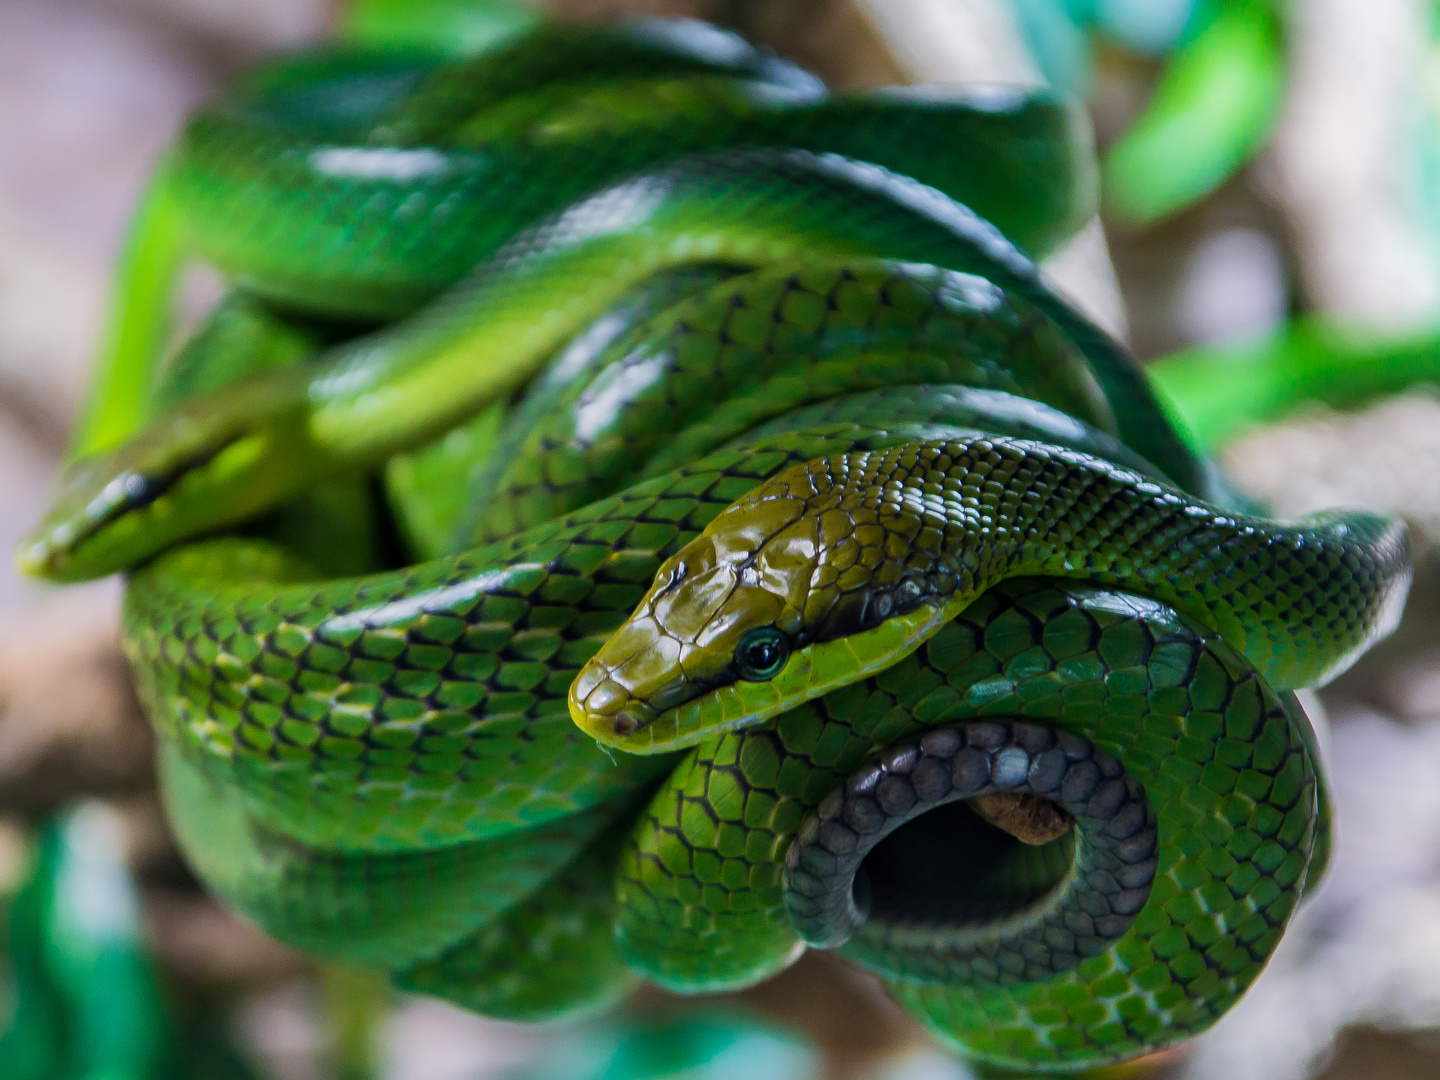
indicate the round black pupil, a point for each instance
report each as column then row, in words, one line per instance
column 763, row 654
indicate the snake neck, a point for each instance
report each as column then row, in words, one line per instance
column 838, row 567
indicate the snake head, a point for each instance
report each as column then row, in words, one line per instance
column 209, row 462
column 754, row 616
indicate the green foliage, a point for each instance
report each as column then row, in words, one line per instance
column 1215, row 106
column 1222, row 390
column 454, row 27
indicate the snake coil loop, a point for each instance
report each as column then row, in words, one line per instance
column 1112, row 858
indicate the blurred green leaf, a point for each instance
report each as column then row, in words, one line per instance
column 1214, row 107
column 454, row 27
column 1221, row 391
column 86, row 1003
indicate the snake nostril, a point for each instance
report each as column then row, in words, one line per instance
column 625, row 724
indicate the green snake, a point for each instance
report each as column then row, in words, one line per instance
column 638, row 514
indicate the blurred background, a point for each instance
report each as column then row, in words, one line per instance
column 1271, row 190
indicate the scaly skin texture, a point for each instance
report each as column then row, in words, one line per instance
column 223, row 457
column 766, row 344
column 833, row 553
column 1227, row 764
column 778, row 386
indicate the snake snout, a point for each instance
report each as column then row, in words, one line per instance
column 604, row 708
column 627, row 685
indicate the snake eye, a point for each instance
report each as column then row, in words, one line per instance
column 762, row 653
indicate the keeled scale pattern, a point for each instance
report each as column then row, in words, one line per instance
column 766, row 344
column 427, row 707
column 932, row 519
column 1223, row 760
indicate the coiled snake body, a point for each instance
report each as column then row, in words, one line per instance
column 822, row 578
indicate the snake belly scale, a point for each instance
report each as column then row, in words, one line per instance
column 638, row 514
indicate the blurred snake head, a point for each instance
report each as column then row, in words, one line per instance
column 207, row 463
column 754, row 616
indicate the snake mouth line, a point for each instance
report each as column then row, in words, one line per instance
column 619, row 719
column 45, row 549
column 896, row 868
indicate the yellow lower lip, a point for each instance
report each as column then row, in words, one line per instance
column 809, row 673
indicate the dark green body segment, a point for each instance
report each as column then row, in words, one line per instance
column 569, row 961
column 1224, row 760
column 653, row 272
column 766, row 344
column 362, row 909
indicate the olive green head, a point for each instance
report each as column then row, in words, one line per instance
column 798, row 588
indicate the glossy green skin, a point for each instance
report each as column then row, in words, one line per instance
column 835, row 552
column 1227, row 763
column 494, row 144
column 383, row 769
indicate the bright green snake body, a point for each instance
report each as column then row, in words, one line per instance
column 724, row 367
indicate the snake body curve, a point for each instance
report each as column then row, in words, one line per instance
column 791, row 538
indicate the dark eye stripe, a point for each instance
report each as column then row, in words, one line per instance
column 141, row 489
